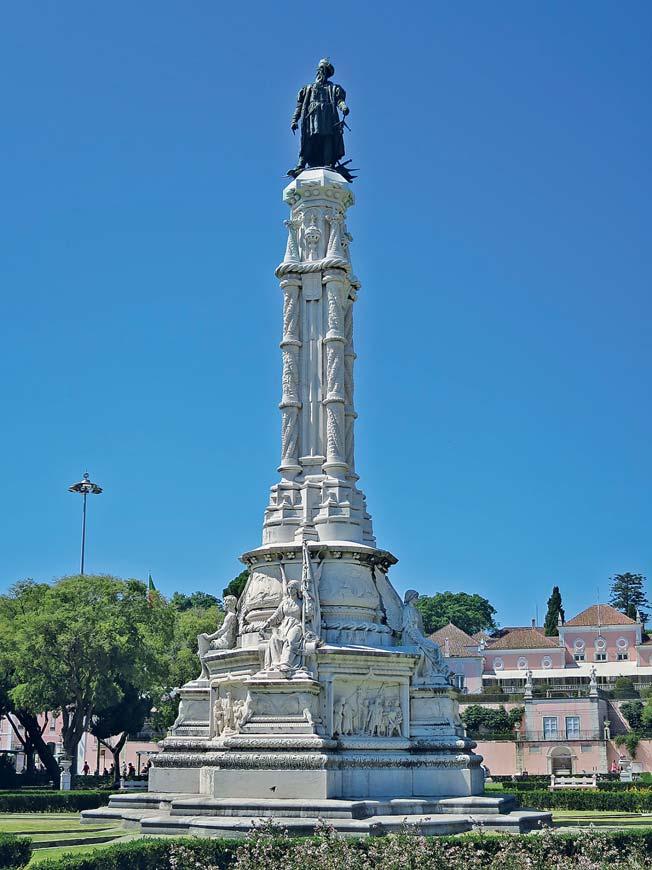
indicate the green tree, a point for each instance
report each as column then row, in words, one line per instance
column 126, row 716
column 471, row 613
column 628, row 594
column 183, row 661
column 481, row 720
column 632, row 711
column 555, row 610
column 70, row 643
column 25, row 725
column 237, row 585
column 202, row 600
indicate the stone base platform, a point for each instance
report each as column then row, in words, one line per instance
column 201, row 816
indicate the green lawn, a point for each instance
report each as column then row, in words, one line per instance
column 55, row 833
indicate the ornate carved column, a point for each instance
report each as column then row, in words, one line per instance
column 290, row 401
column 334, row 400
column 349, row 409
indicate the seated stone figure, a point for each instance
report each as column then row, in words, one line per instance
column 431, row 663
column 285, row 646
column 223, row 638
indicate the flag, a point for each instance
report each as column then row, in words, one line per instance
column 151, row 589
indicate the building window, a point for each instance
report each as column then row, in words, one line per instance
column 53, row 724
column 459, row 682
column 498, row 664
column 521, row 664
column 600, row 657
column 546, row 662
column 579, row 657
column 585, row 747
column 549, row 727
column 579, row 644
column 600, row 644
column 572, row 727
column 622, row 656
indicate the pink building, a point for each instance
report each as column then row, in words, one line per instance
column 90, row 751
column 570, row 717
column 463, row 657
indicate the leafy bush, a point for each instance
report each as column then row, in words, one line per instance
column 542, row 778
column 630, row 741
column 8, row 775
column 632, row 711
column 52, row 801
column 624, row 688
column 632, row 801
column 589, row 850
column 85, row 783
column 484, row 721
column 14, row 851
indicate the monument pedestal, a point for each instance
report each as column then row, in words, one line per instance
column 324, row 699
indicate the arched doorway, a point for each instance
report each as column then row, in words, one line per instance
column 560, row 760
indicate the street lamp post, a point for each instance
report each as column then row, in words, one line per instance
column 84, row 488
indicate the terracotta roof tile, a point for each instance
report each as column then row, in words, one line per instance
column 459, row 642
column 523, row 638
column 600, row 614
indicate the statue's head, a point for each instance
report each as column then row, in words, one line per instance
column 410, row 595
column 230, row 602
column 294, row 587
column 325, row 69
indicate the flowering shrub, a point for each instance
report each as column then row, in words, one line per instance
column 269, row 849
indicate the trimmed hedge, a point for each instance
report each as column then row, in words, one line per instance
column 86, row 783
column 633, row 801
column 14, row 851
column 148, row 855
column 52, row 801
column 589, row 849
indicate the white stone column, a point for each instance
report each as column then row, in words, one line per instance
column 349, row 409
column 334, row 400
column 290, row 402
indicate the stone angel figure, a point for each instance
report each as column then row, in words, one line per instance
column 223, row 638
column 431, row 664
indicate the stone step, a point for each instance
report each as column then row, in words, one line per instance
column 230, row 826
column 200, row 805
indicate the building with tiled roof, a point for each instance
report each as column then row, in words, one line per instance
column 598, row 615
column 522, row 638
column 453, row 641
column 463, row 657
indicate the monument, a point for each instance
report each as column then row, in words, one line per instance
column 320, row 697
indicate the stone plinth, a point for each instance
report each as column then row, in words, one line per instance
column 327, row 701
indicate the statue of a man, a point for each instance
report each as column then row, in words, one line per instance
column 223, row 638
column 322, row 141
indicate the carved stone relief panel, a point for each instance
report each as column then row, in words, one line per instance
column 371, row 710
column 345, row 582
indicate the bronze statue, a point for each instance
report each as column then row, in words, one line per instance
column 322, row 130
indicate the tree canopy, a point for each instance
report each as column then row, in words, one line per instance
column 71, row 643
column 237, row 585
column 471, row 613
column 202, row 600
column 555, row 610
column 628, row 594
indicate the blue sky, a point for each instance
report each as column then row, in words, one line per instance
column 501, row 233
